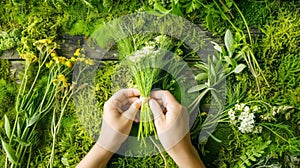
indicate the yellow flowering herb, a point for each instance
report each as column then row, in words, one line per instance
column 53, row 54
column 62, row 79
column 77, row 52
column 49, row 64
column 69, row 64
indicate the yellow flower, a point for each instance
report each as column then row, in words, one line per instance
column 29, row 57
column 62, row 59
column 77, row 52
column 53, row 54
column 49, row 64
column 55, row 81
column 45, row 41
column 69, row 64
column 62, row 79
column 203, row 113
column 89, row 62
column 73, row 59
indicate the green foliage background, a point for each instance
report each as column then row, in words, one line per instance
column 275, row 27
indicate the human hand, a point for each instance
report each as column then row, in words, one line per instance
column 119, row 112
column 173, row 129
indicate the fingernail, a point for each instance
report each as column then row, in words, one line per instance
column 138, row 101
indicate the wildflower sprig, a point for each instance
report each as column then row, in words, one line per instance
column 242, row 116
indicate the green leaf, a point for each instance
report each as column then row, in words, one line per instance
column 229, row 42
column 217, row 46
column 161, row 8
column 65, row 161
column 228, row 60
column 212, row 70
column 7, row 126
column 239, row 68
column 18, row 129
column 33, row 119
column 201, row 76
column 10, row 153
column 197, row 88
column 209, row 21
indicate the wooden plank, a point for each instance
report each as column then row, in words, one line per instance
column 69, row 44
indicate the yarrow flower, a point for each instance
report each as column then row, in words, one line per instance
column 243, row 117
column 147, row 51
column 247, row 122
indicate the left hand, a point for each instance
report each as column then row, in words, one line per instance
column 119, row 113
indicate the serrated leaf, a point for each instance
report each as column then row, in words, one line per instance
column 197, row 88
column 201, row 76
column 229, row 42
column 10, row 153
column 239, row 68
column 7, row 126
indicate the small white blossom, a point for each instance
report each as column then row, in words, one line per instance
column 237, row 107
column 231, row 114
column 146, row 51
column 247, row 109
column 247, row 122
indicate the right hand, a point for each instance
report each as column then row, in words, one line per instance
column 173, row 129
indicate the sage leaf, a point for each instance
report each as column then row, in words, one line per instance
column 197, row 88
column 217, row 46
column 10, row 153
column 201, row 76
column 229, row 42
column 7, row 126
column 239, row 68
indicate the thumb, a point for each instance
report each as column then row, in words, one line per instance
column 156, row 110
column 132, row 110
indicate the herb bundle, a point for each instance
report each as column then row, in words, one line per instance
column 143, row 67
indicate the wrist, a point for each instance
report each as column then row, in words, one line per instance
column 185, row 154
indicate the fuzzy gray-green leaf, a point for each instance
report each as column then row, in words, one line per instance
column 7, row 126
column 239, row 68
column 10, row 153
column 33, row 120
column 229, row 42
column 201, row 76
column 197, row 88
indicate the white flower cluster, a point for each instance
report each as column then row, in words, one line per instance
column 247, row 121
column 245, row 118
column 147, row 51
